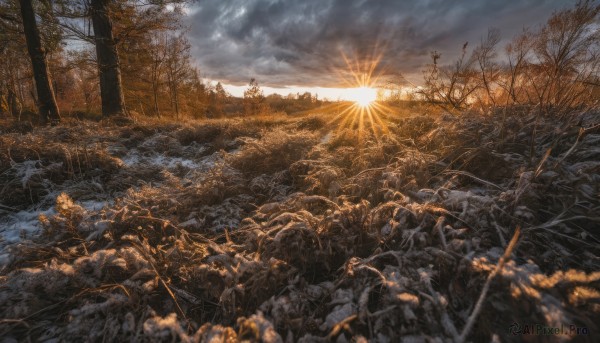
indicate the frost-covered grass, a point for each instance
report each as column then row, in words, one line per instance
column 296, row 229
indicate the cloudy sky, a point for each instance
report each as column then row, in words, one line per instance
column 314, row 43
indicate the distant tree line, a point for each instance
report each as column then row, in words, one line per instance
column 124, row 57
column 256, row 103
column 115, row 57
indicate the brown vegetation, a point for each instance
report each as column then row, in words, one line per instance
column 406, row 225
column 322, row 239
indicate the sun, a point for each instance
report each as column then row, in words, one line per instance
column 360, row 112
column 362, row 96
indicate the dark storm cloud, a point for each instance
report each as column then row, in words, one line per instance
column 295, row 42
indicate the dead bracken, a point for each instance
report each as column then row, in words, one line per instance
column 260, row 230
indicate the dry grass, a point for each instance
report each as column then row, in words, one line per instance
column 262, row 229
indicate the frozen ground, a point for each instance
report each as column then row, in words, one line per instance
column 16, row 226
column 302, row 229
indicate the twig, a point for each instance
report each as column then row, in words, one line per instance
column 162, row 281
column 435, row 298
column 439, row 228
column 344, row 324
column 486, row 287
column 9, row 208
column 463, row 173
column 368, row 170
column 581, row 134
column 539, row 169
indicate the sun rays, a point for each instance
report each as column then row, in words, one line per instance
column 369, row 122
column 362, row 113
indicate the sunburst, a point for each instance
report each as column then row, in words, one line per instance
column 363, row 113
column 362, row 96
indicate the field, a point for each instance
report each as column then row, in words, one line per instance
column 412, row 225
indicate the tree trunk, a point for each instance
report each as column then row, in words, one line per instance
column 172, row 81
column 176, row 98
column 155, row 92
column 108, row 60
column 46, row 101
column 14, row 106
column 2, row 101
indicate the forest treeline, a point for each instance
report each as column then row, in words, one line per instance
column 132, row 57
column 115, row 57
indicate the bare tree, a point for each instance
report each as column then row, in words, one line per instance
column 554, row 68
column 489, row 69
column 451, row 86
column 512, row 81
column 566, row 48
column 158, row 55
column 83, row 63
column 177, row 65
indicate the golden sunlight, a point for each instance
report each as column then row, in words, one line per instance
column 366, row 117
column 362, row 96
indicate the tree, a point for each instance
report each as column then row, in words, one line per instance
column 254, row 99
column 220, row 97
column 12, row 46
column 141, row 31
column 512, row 82
column 567, row 49
column 158, row 55
column 554, row 68
column 489, row 70
column 107, row 57
column 451, row 86
column 86, row 79
column 178, row 67
column 48, row 109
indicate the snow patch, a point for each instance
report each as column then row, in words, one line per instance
column 25, row 224
column 18, row 226
column 135, row 158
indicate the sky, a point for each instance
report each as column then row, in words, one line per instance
column 314, row 45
